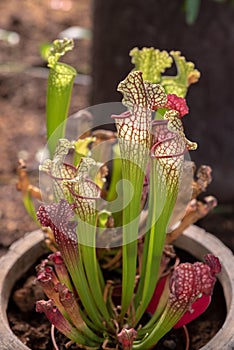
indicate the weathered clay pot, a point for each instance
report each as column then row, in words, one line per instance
column 21, row 255
column 196, row 241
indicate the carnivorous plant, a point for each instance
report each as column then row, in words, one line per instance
column 109, row 262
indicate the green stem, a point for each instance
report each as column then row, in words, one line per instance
column 158, row 312
column 81, row 285
column 168, row 319
column 161, row 203
column 59, row 90
column 92, row 269
column 29, row 206
column 116, row 174
column 135, row 175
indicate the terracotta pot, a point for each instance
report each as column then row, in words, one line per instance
column 24, row 253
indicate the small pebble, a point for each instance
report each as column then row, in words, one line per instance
column 169, row 344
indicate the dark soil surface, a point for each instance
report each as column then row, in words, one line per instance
column 22, row 125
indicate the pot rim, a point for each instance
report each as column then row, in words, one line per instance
column 13, row 265
column 197, row 241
